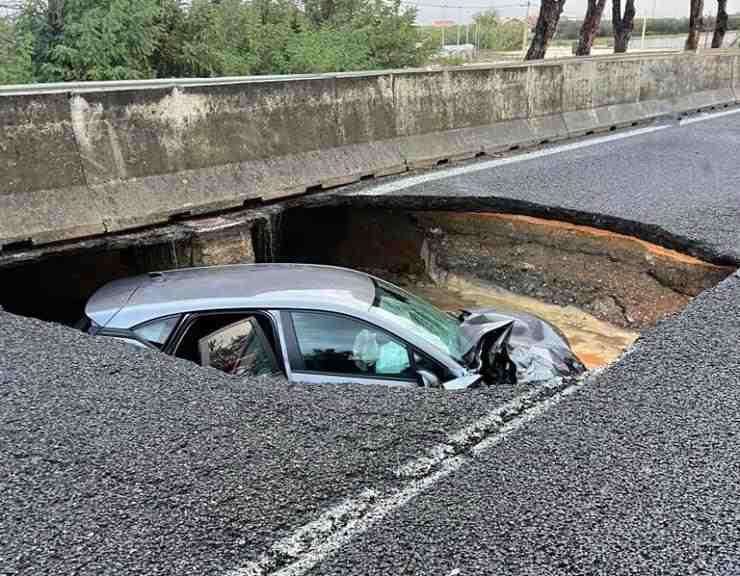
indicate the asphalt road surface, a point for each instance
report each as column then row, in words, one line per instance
column 120, row 461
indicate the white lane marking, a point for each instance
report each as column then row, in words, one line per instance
column 469, row 435
column 707, row 116
column 441, row 174
column 321, row 538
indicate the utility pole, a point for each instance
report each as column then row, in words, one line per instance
column 644, row 24
column 706, row 33
column 705, row 28
column 444, row 17
column 525, row 32
column 457, row 24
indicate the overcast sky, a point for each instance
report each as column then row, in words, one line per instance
column 430, row 10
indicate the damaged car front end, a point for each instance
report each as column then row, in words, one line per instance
column 516, row 348
column 495, row 347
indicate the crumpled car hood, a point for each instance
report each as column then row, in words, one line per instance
column 538, row 350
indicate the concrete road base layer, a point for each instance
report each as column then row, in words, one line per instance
column 82, row 160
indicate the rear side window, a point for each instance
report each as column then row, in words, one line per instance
column 240, row 349
column 236, row 343
column 158, row 331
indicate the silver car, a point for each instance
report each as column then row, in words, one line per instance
column 320, row 324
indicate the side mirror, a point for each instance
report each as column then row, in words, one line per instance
column 426, row 379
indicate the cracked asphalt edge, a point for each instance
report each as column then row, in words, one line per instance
column 311, row 543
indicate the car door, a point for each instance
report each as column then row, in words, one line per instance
column 324, row 347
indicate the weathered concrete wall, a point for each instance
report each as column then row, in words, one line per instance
column 43, row 192
column 88, row 161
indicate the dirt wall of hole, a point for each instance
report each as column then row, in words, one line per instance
column 617, row 278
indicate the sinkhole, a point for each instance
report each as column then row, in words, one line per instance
column 600, row 288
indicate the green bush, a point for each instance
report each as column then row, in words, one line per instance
column 16, row 54
column 127, row 39
column 113, row 40
column 506, row 37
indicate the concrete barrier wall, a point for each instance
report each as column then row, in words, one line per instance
column 85, row 161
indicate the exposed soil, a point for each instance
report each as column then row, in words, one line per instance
column 620, row 279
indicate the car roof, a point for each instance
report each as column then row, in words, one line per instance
column 131, row 301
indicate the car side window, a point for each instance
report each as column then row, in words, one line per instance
column 239, row 349
column 335, row 344
column 157, row 331
column 238, row 344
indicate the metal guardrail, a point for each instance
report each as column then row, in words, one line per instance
column 112, row 85
column 116, row 85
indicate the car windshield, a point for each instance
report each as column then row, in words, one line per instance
column 420, row 317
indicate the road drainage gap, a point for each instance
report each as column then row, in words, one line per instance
column 300, row 551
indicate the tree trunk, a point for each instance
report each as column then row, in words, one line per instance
column 547, row 24
column 55, row 17
column 696, row 23
column 623, row 25
column 590, row 27
column 720, row 26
